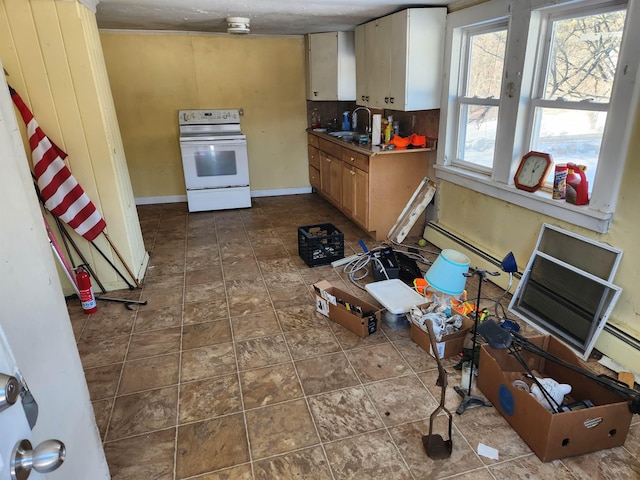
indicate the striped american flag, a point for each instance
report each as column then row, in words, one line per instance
column 63, row 195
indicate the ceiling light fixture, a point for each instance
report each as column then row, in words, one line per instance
column 237, row 25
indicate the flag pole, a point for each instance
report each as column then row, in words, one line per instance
column 113, row 247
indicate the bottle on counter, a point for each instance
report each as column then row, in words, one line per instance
column 388, row 130
column 346, row 126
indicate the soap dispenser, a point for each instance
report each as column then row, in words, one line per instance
column 345, row 122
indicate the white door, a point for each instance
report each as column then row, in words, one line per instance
column 35, row 323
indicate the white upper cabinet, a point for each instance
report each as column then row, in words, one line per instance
column 400, row 59
column 332, row 66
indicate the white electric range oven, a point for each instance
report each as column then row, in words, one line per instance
column 214, row 159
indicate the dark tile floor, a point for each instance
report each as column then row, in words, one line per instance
column 229, row 372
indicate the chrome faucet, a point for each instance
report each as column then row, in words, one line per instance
column 354, row 117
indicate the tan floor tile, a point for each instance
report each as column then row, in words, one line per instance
column 280, row 428
column 103, row 381
column 209, row 398
column 97, row 352
column 209, row 361
column 325, row 373
column 610, row 463
column 253, row 325
column 241, row 472
column 531, row 467
column 201, row 312
column 158, row 318
column 98, row 327
column 377, row 362
column 102, row 413
column 400, row 400
column 150, row 372
column 208, row 333
column 370, row 455
column 265, row 386
column 155, row 342
column 204, row 292
column 283, row 296
column 143, row 412
column 349, row 340
column 153, row 456
column 211, row 445
column 207, row 275
column 299, row 318
column 248, row 302
column 309, row 464
column 344, row 413
column 261, row 352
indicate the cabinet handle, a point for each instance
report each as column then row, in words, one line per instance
column 392, row 99
column 362, row 97
column 367, row 98
column 315, row 93
column 352, row 172
column 386, row 99
column 352, row 159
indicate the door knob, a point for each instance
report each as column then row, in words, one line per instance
column 45, row 458
column 9, row 391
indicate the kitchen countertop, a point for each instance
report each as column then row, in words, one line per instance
column 369, row 149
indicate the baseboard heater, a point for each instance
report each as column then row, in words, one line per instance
column 610, row 329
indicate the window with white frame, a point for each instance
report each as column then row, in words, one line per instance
column 479, row 104
column 571, row 101
column 556, row 77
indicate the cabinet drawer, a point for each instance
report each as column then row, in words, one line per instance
column 312, row 140
column 356, row 159
column 314, row 157
column 331, row 148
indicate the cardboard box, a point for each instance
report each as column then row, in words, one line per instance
column 553, row 435
column 449, row 345
column 351, row 312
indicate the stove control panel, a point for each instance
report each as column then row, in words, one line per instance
column 208, row 117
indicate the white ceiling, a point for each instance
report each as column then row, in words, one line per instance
column 267, row 17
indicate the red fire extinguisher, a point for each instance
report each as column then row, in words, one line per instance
column 87, row 298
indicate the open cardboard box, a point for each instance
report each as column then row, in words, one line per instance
column 449, row 345
column 553, row 435
column 342, row 308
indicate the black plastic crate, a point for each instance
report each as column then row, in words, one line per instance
column 320, row 244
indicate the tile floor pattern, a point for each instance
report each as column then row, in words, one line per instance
column 229, row 373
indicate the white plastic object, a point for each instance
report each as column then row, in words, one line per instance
column 394, row 295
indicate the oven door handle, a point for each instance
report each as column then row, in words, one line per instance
column 214, row 143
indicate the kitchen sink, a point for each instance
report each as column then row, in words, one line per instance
column 344, row 135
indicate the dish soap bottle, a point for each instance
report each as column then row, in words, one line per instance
column 345, row 122
column 388, row 129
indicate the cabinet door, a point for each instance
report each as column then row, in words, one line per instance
column 361, row 197
column 355, row 194
column 314, row 177
column 362, row 77
column 314, row 156
column 378, row 61
column 323, row 66
column 398, row 47
column 335, row 190
column 325, row 175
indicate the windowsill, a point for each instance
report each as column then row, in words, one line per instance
column 540, row 202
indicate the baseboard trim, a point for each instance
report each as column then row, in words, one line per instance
column 161, row 199
column 280, row 192
column 254, row 193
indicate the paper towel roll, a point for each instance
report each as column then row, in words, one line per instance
column 376, row 126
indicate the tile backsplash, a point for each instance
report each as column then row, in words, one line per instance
column 422, row 122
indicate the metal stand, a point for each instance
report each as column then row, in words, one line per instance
column 469, row 400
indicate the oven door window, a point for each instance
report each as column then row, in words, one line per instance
column 215, row 165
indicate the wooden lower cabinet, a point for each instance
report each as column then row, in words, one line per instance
column 331, row 178
column 372, row 189
column 355, row 194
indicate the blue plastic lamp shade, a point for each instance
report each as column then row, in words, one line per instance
column 509, row 264
column 447, row 273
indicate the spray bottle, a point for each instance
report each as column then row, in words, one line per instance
column 577, row 186
column 345, row 122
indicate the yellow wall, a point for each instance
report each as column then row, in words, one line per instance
column 155, row 75
column 51, row 50
column 498, row 227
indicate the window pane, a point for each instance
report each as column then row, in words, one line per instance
column 486, row 61
column 570, row 136
column 479, row 124
column 584, row 55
